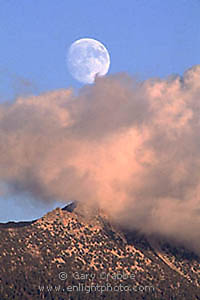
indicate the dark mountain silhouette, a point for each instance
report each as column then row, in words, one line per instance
column 64, row 255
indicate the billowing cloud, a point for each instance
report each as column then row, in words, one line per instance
column 129, row 148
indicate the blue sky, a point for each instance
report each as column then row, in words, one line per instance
column 144, row 38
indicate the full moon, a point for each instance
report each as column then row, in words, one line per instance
column 87, row 58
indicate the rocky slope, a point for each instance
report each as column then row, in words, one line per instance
column 65, row 255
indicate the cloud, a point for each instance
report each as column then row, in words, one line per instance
column 129, row 148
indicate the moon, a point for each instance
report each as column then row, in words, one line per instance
column 87, row 58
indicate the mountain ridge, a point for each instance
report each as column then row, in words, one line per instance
column 35, row 255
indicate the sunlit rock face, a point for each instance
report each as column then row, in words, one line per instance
column 38, row 255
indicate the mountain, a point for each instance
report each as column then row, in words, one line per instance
column 70, row 255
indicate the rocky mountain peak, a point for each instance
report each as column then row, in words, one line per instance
column 67, row 248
